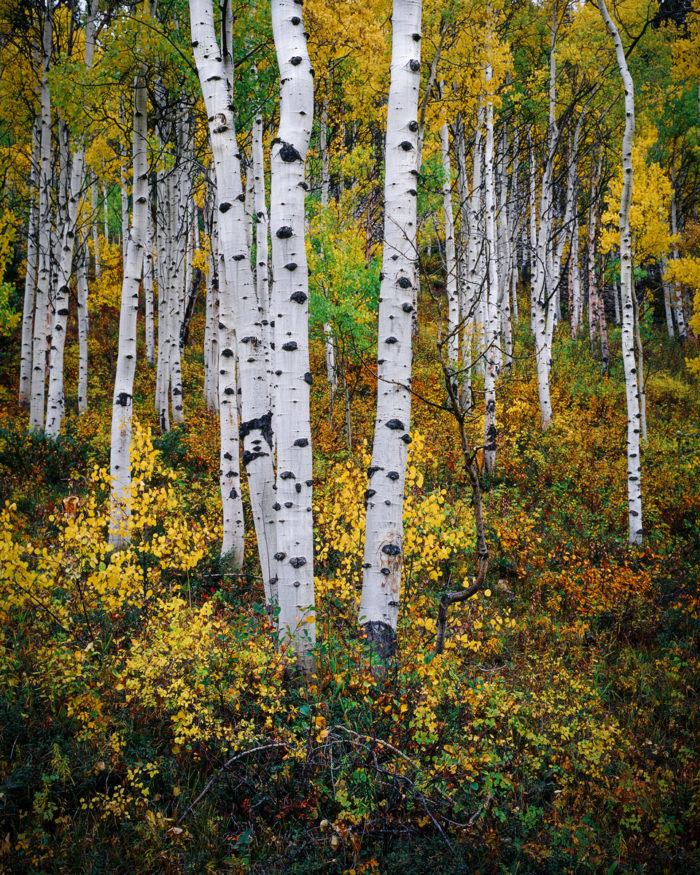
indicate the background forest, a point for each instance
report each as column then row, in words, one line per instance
column 349, row 465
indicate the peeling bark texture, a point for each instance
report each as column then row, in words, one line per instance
column 634, row 471
column 122, row 405
column 241, row 308
column 294, row 567
column 383, row 553
column 36, row 410
column 25, row 373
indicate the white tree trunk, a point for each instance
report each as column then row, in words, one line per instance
column 676, row 297
column 163, row 244
column 122, row 404
column 492, row 322
column 245, row 311
column 384, row 548
column 36, row 411
column 290, row 289
column 148, row 288
column 83, row 328
column 668, row 309
column 94, row 228
column 634, row 471
column 25, row 373
column 450, row 251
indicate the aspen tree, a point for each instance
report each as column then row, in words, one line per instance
column 238, row 300
column 384, row 548
column 122, row 404
column 55, row 405
column 492, row 327
column 290, row 289
column 634, row 471
column 36, row 411
column 25, row 374
column 83, row 327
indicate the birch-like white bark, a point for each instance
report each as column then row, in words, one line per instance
column 94, row 230
column 384, row 547
column 634, row 471
column 148, row 287
column 676, row 296
column 36, row 410
column 290, row 290
column 450, row 251
column 55, row 405
column 244, row 310
column 122, row 404
column 25, row 373
column 492, row 324
column 83, row 328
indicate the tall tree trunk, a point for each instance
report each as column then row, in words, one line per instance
column 450, row 251
column 122, row 405
column 634, row 470
column 384, row 548
column 290, row 288
column 36, row 411
column 148, row 288
column 492, row 322
column 244, row 310
column 83, row 327
column 25, row 373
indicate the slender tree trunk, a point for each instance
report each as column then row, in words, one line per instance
column 94, row 228
column 122, row 405
column 244, row 310
column 676, row 297
column 384, row 548
column 83, row 328
column 25, row 374
column 148, row 288
column 450, row 251
column 290, row 288
column 41, row 308
column 668, row 309
column 492, row 323
column 634, row 471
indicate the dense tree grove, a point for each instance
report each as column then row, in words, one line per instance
column 349, row 454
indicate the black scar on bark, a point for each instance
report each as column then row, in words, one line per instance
column 63, row 312
column 308, row 378
column 277, row 506
column 240, row 197
column 280, row 556
column 381, row 640
column 369, row 493
column 406, row 146
column 227, row 353
column 297, row 486
column 289, row 153
column 233, row 494
column 263, row 424
column 238, row 257
column 384, row 571
column 284, row 232
column 291, row 266
column 416, row 37
column 391, row 549
column 123, row 399
column 290, row 346
column 251, row 339
column 295, row 19
column 301, row 442
column 407, row 439
column 297, row 562
column 287, row 475
column 404, row 282
column 491, row 435
column 289, row 504
column 395, row 425
column 224, row 208
column 413, row 126
column 298, row 297
column 393, row 475
column 391, row 340
column 295, row 61
column 372, row 470
column 228, row 456
column 414, row 65
column 248, row 457
column 229, row 391
column 407, row 308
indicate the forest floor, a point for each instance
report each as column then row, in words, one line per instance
column 146, row 723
